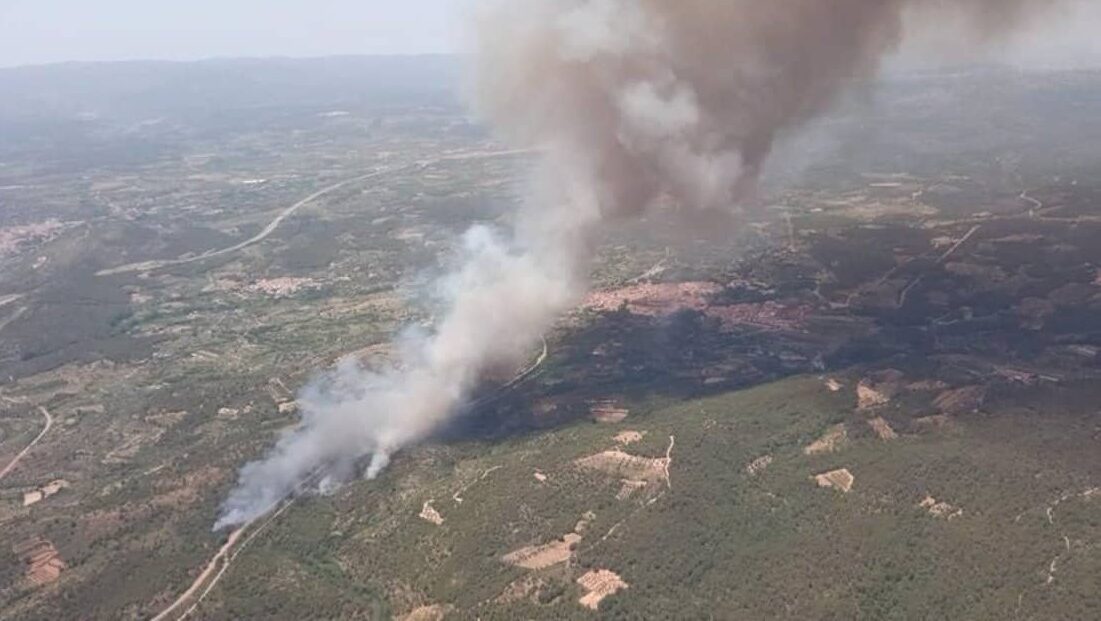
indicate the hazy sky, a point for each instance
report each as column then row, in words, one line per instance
column 39, row 31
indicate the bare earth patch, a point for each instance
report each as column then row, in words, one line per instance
column 13, row 239
column 435, row 612
column 834, row 438
column 841, row 480
column 628, row 488
column 44, row 492
column 878, row 389
column 833, row 385
column 550, row 554
column 429, row 514
column 882, row 428
column 598, row 584
column 543, row 556
column 758, row 465
column 654, row 300
column 281, row 287
column 166, row 419
column 132, row 443
column 937, row 421
column 228, row 413
column 629, row 437
column 607, row 412
column 966, row 400
column 664, row 299
column 626, row 466
column 940, row 510
column 43, row 564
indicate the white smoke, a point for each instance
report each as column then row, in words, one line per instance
column 628, row 101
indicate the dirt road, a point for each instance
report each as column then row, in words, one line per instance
column 146, row 266
column 206, row 573
column 227, row 554
column 15, row 462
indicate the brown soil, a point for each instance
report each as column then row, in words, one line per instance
column 429, row 514
column 933, row 422
column 166, row 419
column 281, row 287
column 625, row 466
column 628, row 488
column 629, row 437
column 966, row 400
column 43, row 564
column 549, row 554
column 654, row 300
column 663, row 299
column 132, row 443
column 758, row 465
column 607, row 412
column 882, row 428
column 44, row 492
column 14, row 239
column 878, row 389
column 841, row 480
column 598, row 584
column 543, row 556
column 434, row 612
column 940, row 510
column 834, row 438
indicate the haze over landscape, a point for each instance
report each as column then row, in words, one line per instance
column 544, row 309
column 51, row 31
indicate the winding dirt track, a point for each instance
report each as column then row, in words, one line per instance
column 207, row 571
column 15, row 462
column 146, row 266
column 228, row 553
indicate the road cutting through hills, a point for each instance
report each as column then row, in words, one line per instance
column 227, row 554
column 146, row 266
column 15, row 461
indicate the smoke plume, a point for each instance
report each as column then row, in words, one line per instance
column 628, row 101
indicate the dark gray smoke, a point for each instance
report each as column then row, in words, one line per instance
column 629, row 101
column 686, row 97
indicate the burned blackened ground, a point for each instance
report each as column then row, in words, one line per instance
column 1008, row 289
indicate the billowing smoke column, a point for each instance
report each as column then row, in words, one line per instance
column 628, row 101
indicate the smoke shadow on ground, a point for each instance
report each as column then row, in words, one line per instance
column 630, row 360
